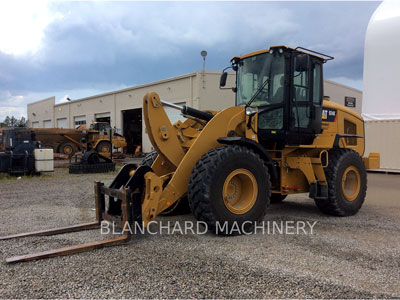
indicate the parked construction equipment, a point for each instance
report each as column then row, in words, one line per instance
column 281, row 138
column 69, row 141
column 20, row 154
column 92, row 162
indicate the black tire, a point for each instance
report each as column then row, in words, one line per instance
column 149, row 159
column 181, row 207
column 277, row 198
column 78, row 168
column 103, row 147
column 206, row 185
column 341, row 160
column 67, row 149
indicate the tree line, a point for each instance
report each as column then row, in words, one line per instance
column 13, row 122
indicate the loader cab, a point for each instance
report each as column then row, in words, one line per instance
column 284, row 86
column 103, row 127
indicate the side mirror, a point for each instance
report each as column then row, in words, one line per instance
column 222, row 80
column 301, row 63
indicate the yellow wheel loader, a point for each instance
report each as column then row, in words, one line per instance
column 281, row 138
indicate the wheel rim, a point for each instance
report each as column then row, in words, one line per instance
column 104, row 148
column 351, row 183
column 240, row 191
column 67, row 150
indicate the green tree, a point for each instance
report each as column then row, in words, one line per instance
column 7, row 121
column 21, row 122
column 13, row 122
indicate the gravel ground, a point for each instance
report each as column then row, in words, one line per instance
column 353, row 257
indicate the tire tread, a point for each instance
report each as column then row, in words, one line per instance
column 332, row 205
column 202, row 176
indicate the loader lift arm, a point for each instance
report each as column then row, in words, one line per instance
column 174, row 155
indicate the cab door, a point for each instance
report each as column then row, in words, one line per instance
column 305, row 105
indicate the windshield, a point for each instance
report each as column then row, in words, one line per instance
column 100, row 126
column 262, row 77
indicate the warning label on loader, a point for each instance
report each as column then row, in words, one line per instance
column 328, row 114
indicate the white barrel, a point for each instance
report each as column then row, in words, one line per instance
column 44, row 160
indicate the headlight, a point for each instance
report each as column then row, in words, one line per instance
column 251, row 110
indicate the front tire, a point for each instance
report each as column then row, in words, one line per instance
column 67, row 149
column 229, row 186
column 347, row 184
column 103, row 147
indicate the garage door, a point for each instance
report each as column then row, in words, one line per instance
column 174, row 114
column 47, row 124
column 62, row 123
column 79, row 120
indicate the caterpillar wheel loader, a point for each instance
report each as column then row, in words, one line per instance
column 281, row 138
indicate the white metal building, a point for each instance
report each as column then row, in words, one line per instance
column 122, row 108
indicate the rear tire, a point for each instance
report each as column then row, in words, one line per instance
column 347, row 183
column 103, row 147
column 67, row 149
column 229, row 185
column 277, row 198
column 180, row 207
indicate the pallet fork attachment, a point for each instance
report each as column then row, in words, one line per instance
column 124, row 195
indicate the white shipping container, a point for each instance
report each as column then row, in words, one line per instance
column 44, row 160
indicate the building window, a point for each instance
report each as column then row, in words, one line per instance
column 79, row 120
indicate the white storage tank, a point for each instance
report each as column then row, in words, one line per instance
column 381, row 83
column 44, row 160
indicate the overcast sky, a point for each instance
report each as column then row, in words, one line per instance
column 78, row 49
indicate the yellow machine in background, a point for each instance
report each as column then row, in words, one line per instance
column 281, row 138
column 68, row 141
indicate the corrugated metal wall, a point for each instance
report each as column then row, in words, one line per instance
column 384, row 137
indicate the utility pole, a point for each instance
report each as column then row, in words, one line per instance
column 204, row 54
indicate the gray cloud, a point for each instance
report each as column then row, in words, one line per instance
column 99, row 46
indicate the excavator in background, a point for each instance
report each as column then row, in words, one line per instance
column 281, row 138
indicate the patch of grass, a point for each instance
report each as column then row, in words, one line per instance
column 6, row 176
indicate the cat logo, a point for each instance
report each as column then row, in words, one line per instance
column 329, row 114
